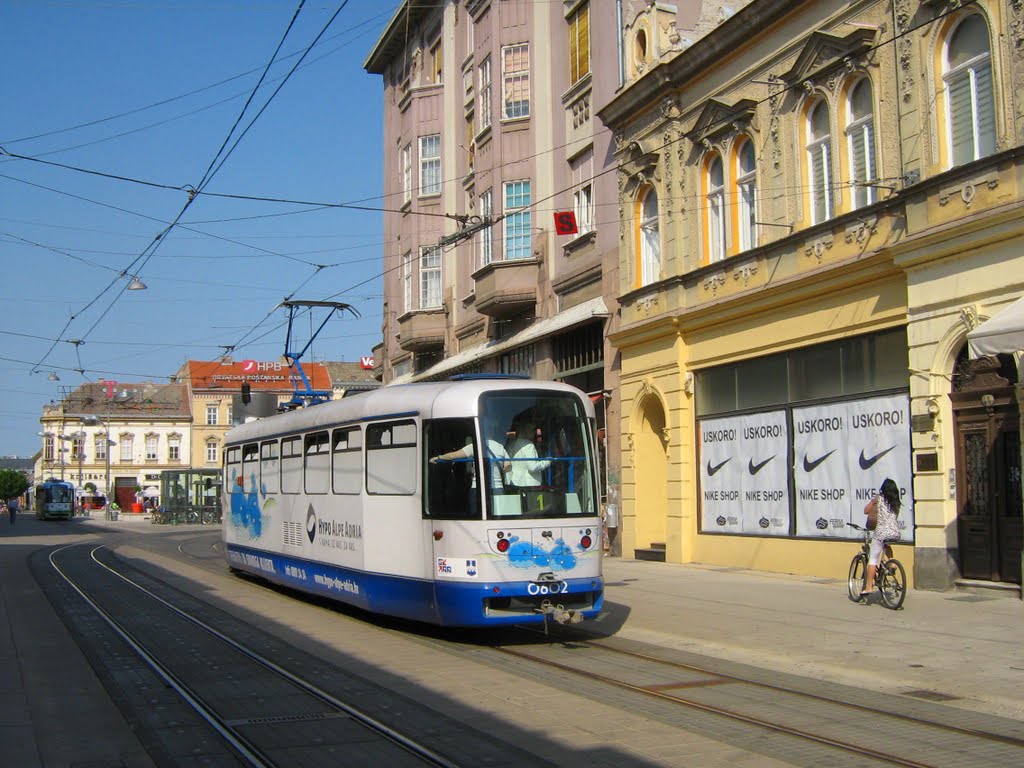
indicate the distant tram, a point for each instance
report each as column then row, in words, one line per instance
column 374, row 501
column 55, row 500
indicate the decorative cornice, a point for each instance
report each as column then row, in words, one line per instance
column 718, row 118
column 822, row 52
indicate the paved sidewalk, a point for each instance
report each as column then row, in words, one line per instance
column 966, row 650
column 56, row 711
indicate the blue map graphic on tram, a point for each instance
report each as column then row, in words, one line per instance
column 245, row 507
column 525, row 554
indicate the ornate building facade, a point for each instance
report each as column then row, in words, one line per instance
column 817, row 203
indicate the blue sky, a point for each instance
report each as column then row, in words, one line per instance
column 148, row 90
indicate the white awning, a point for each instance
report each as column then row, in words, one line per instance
column 564, row 320
column 1003, row 333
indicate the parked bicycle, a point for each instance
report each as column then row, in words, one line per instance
column 891, row 578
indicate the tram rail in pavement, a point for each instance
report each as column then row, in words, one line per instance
column 956, row 648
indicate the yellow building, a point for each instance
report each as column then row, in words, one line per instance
column 817, row 202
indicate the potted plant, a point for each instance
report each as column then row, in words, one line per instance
column 137, row 504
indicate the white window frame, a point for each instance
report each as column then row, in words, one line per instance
column 515, row 82
column 407, row 305
column 174, row 449
column 405, row 163
column 152, row 447
column 860, row 138
column 430, row 277
column 746, row 195
column 516, row 201
column 976, row 74
column 127, row 445
column 212, row 412
column 485, row 237
column 211, row 451
column 430, row 165
column 650, row 238
column 583, row 191
column 819, row 160
column 715, row 202
column 100, row 447
column 484, row 94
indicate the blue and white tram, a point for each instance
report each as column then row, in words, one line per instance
column 342, row 499
column 54, row 500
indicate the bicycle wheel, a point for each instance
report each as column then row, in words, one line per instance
column 892, row 584
column 858, row 570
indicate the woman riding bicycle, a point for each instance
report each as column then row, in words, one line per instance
column 885, row 507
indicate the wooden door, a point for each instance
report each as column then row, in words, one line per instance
column 989, row 521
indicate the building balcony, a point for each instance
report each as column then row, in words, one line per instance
column 506, row 288
column 421, row 331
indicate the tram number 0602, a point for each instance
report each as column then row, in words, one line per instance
column 548, row 588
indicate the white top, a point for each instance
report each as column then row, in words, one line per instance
column 527, row 469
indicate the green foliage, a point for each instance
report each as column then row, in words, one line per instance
column 90, row 487
column 12, row 483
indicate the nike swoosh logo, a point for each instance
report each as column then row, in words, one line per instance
column 810, row 466
column 714, row 470
column 868, row 463
column 755, row 468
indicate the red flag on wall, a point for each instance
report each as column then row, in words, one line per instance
column 565, row 223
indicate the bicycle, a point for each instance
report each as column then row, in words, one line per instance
column 890, row 576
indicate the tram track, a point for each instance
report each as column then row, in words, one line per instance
column 729, row 696
column 254, row 705
column 840, row 726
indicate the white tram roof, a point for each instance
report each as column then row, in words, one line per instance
column 430, row 400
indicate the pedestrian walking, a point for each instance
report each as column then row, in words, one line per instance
column 12, row 508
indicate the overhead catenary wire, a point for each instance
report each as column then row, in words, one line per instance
column 137, row 264
column 536, row 205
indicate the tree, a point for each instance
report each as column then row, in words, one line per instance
column 12, row 483
column 90, row 487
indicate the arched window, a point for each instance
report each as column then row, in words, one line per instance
column 746, row 189
column 649, row 237
column 970, row 105
column 860, row 136
column 819, row 162
column 715, row 202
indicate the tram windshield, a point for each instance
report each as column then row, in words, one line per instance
column 59, row 494
column 537, row 460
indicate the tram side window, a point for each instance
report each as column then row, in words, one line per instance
column 233, row 466
column 270, row 467
column 318, row 463
column 391, row 458
column 347, row 448
column 291, row 465
column 449, row 490
column 250, row 473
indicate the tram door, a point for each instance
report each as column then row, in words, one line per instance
column 990, row 526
